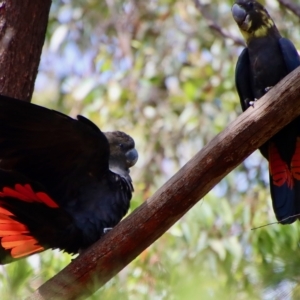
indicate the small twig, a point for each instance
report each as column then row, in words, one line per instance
column 216, row 27
column 277, row 222
column 294, row 8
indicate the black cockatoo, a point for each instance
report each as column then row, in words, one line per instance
column 63, row 182
column 268, row 58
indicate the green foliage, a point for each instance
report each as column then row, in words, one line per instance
column 155, row 70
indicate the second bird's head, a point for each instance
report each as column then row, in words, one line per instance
column 252, row 19
column 123, row 154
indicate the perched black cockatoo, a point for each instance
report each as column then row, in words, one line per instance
column 268, row 58
column 63, row 182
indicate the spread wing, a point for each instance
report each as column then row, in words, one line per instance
column 46, row 146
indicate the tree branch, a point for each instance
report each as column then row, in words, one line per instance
column 114, row 251
column 294, row 8
column 22, row 33
column 215, row 26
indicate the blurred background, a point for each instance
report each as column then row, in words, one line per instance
column 163, row 72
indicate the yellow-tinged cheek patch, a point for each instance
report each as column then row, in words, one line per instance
column 261, row 31
column 267, row 20
column 267, row 23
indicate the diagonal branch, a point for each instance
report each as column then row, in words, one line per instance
column 215, row 26
column 114, row 251
column 294, row 8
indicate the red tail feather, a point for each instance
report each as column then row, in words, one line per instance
column 278, row 169
column 14, row 235
column 26, row 193
column 27, row 248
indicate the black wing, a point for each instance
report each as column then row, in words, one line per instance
column 290, row 54
column 243, row 79
column 49, row 147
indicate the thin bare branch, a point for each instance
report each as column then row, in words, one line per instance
column 294, row 8
column 215, row 26
column 114, row 251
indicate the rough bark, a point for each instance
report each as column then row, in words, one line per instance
column 107, row 257
column 22, row 33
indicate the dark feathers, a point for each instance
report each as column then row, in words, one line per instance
column 84, row 172
column 267, row 59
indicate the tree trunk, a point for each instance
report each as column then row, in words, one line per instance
column 23, row 25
